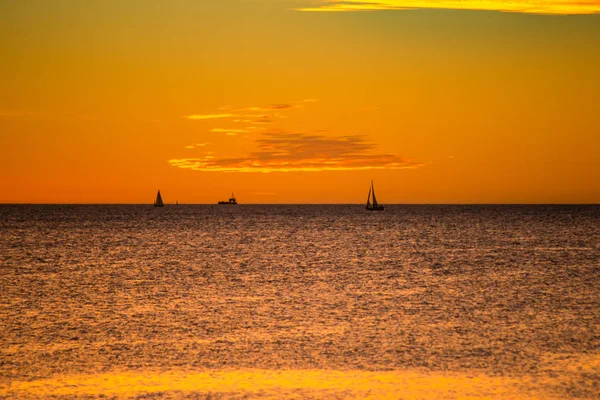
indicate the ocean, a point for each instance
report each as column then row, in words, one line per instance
column 299, row 301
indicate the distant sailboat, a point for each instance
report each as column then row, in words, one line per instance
column 159, row 200
column 375, row 206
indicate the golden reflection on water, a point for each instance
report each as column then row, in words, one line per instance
column 281, row 384
column 299, row 302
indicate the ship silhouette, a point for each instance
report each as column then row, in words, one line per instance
column 232, row 200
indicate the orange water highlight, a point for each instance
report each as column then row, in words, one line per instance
column 283, row 384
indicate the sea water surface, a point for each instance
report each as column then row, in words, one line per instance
column 305, row 301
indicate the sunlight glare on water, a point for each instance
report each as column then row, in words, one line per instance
column 300, row 301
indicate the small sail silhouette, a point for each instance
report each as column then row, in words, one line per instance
column 376, row 206
column 159, row 200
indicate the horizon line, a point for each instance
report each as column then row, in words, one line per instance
column 299, row 204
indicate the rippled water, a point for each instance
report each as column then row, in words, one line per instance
column 300, row 301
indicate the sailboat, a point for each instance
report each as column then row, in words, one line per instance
column 375, row 206
column 159, row 201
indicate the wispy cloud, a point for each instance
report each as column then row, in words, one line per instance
column 565, row 7
column 294, row 152
column 208, row 116
column 193, row 146
column 225, row 130
column 271, row 107
column 264, row 114
column 31, row 113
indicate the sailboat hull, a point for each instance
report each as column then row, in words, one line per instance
column 375, row 208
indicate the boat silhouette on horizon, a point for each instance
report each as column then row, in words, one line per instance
column 232, row 201
column 159, row 201
column 375, row 206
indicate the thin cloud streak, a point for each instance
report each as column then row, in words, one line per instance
column 8, row 113
column 295, row 152
column 209, row 116
column 255, row 114
column 225, row 130
column 559, row 7
column 271, row 107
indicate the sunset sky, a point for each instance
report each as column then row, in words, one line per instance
column 292, row 101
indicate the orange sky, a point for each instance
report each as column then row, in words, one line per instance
column 108, row 101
